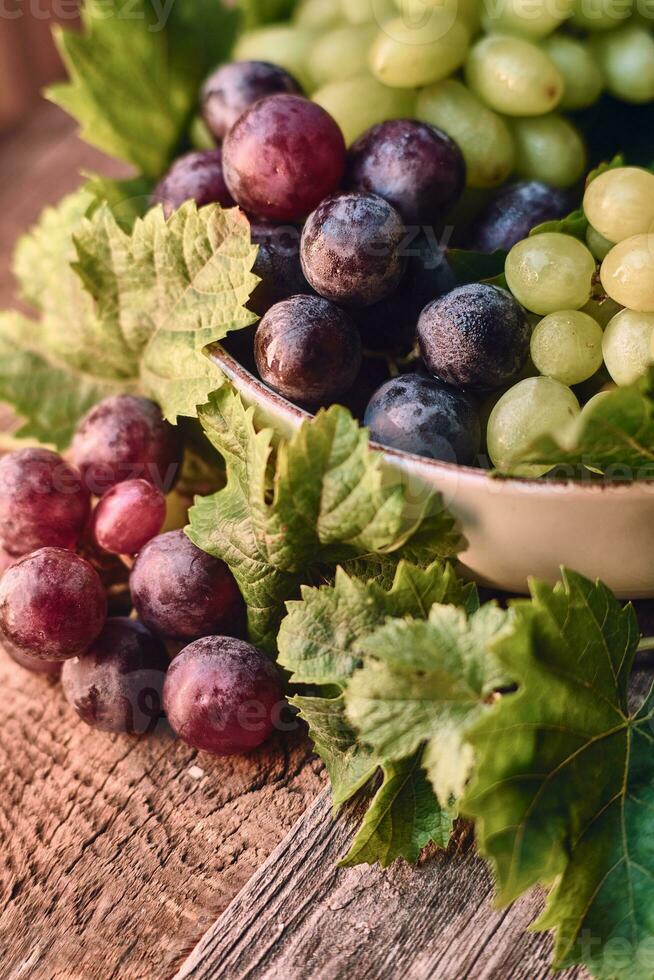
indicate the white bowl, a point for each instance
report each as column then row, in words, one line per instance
column 514, row 528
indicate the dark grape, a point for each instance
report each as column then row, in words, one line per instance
column 283, row 156
column 222, row 695
column 351, row 249
column 415, row 167
column 277, row 265
column 52, row 604
column 234, row 87
column 476, row 336
column 196, row 176
column 117, row 684
column 181, row 592
column 513, row 212
column 43, row 502
column 125, row 438
column 308, row 350
column 48, row 668
column 127, row 517
column 422, row 416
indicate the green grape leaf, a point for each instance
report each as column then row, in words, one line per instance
column 321, row 500
column 563, row 791
column 135, row 71
column 128, row 199
column 469, row 266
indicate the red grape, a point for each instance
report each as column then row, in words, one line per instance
column 49, row 668
column 43, row 502
column 181, row 592
column 222, row 695
column 277, row 264
column 513, row 212
column 117, row 684
column 127, row 517
column 282, row 157
column 196, row 176
column 233, row 87
column 52, row 604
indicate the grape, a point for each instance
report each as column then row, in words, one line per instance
column 117, row 684
column 550, row 272
column 567, row 346
column 197, row 176
column 415, row 167
column 526, row 17
column 583, row 82
column 318, row 14
column 483, row 137
column 533, row 408
column 48, row 668
column 514, row 76
column 6, row 561
column 222, row 696
column 419, row 415
column 620, row 203
column 359, row 103
column 277, row 264
column 627, row 273
column 351, row 249
column 410, row 54
column 125, row 437
column 282, row 157
column 627, row 346
column 597, row 244
column 590, row 406
column 626, row 58
column 600, row 15
column 513, row 212
column 233, row 88
column 127, row 517
column 42, row 502
column 181, row 592
column 601, row 309
column 286, row 45
column 52, row 604
column 477, row 336
column 308, row 350
column 341, row 53
column 367, row 11
column 549, row 148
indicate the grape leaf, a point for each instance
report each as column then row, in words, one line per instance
column 321, row 500
column 563, row 791
column 469, row 266
column 135, row 71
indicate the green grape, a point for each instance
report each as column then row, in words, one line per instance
column 549, row 148
column 581, row 74
column 467, row 11
column 550, row 272
column 626, row 58
column 318, row 14
column 483, row 136
column 567, row 346
column 627, row 273
column 528, row 18
column 620, row 203
column 359, row 103
column 341, row 53
column 601, row 309
column 533, row 408
column 405, row 55
column 601, row 15
column 513, row 76
column 593, row 402
column 286, row 45
column 598, row 244
column 367, row 11
column 627, row 346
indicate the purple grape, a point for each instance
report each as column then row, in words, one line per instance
column 117, row 684
column 415, row 167
column 43, row 502
column 52, row 604
column 420, row 415
column 48, row 668
column 513, row 212
column 277, row 265
column 126, row 438
column 196, row 176
column 282, row 157
column 475, row 337
column 184, row 593
column 127, row 517
column 234, row 87
column 352, row 248
column 222, row 695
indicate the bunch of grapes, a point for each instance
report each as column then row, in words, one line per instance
column 75, row 533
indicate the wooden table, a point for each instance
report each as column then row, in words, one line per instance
column 117, row 855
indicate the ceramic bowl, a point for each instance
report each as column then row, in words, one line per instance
column 514, row 528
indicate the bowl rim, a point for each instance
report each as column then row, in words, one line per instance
column 234, row 370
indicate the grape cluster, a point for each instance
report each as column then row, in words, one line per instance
column 81, row 540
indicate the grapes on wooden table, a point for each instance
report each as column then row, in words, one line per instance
column 513, row 212
column 308, row 350
column 234, row 87
column 196, row 176
column 222, row 695
column 128, row 516
column 277, row 264
column 116, row 685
